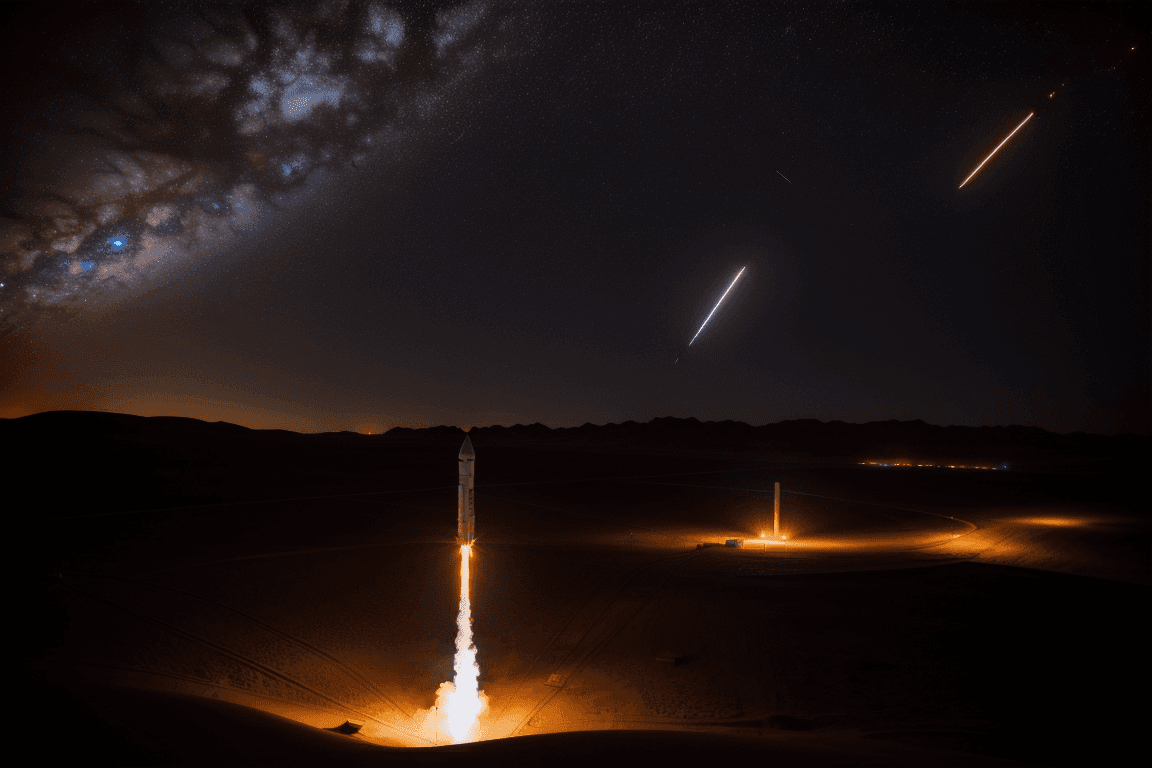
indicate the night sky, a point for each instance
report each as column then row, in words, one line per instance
column 354, row 215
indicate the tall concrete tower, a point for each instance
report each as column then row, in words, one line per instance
column 466, row 511
column 776, row 514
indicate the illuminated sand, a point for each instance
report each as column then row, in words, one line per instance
column 593, row 609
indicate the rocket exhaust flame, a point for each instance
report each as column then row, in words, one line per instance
column 460, row 702
column 993, row 152
column 463, row 701
column 718, row 303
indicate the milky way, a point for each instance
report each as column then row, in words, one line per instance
column 225, row 117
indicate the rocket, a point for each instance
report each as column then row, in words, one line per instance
column 466, row 508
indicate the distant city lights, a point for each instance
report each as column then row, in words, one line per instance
column 1003, row 466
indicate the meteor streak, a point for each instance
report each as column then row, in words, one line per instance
column 719, row 302
column 785, row 177
column 995, row 150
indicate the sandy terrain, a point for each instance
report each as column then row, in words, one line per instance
column 911, row 618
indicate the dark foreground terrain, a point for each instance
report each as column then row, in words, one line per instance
column 202, row 593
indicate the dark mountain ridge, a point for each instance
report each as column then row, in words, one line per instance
column 797, row 438
column 877, row 440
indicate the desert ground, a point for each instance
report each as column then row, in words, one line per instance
column 217, row 598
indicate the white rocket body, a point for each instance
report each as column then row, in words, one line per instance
column 466, row 504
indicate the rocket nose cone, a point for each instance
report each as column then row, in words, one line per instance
column 466, row 450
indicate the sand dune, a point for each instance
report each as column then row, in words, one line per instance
column 246, row 592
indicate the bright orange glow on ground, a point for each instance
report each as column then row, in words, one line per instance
column 1062, row 522
column 762, row 543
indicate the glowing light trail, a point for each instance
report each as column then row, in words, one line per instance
column 718, row 304
column 995, row 150
column 463, row 703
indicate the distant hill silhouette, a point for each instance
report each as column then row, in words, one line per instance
column 816, row 439
column 807, row 438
